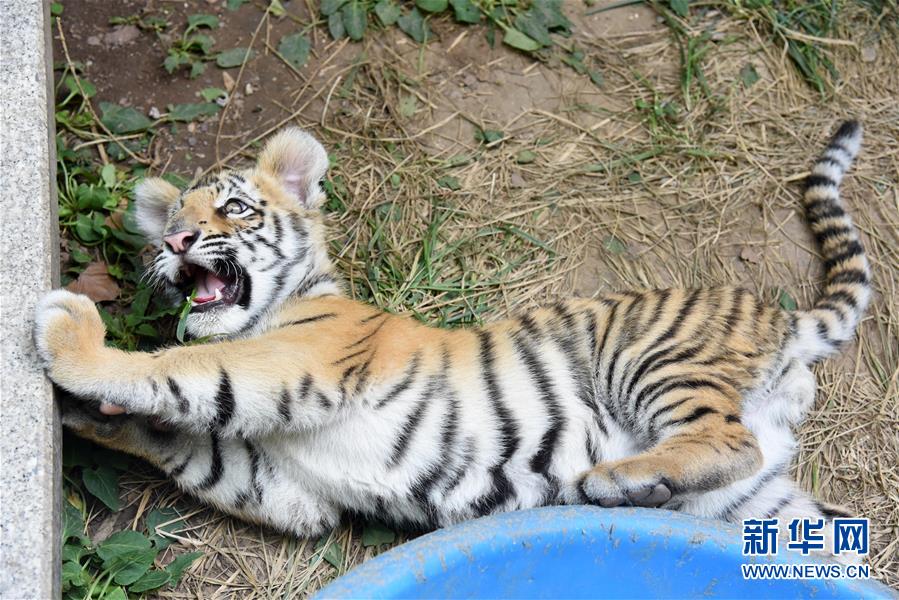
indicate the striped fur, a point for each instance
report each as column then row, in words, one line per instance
column 309, row 404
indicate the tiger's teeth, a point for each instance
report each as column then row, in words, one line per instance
column 218, row 294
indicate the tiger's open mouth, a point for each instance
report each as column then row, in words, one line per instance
column 211, row 289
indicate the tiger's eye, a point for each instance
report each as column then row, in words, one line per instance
column 234, row 207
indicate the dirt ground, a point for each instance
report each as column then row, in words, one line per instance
column 625, row 190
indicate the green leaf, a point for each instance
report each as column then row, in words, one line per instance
column 189, row 112
column 330, row 552
column 134, row 567
column 107, row 174
column 146, row 330
column 201, row 42
column 465, row 11
column 530, row 24
column 151, row 580
column 115, row 593
column 211, row 94
column 173, row 61
column 235, row 4
column 163, row 519
column 335, row 26
column 749, row 75
column 520, row 41
column 276, row 8
column 596, row 77
column 182, row 318
column 123, row 119
column 202, row 20
column 122, row 547
column 634, row 177
column 680, row 7
column 449, row 182
column 234, row 57
column 614, row 245
column 329, row 7
column 786, row 301
column 73, row 574
column 176, row 568
column 525, row 157
column 375, row 534
column 433, row 6
column 72, row 524
column 71, row 83
column 355, row 19
column 295, row 49
column 56, row 9
column 407, row 106
column 103, row 483
column 414, row 25
column 196, row 69
column 487, row 136
column 387, row 12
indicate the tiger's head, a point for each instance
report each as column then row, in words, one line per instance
column 242, row 242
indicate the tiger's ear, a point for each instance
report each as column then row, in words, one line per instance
column 299, row 162
column 154, row 197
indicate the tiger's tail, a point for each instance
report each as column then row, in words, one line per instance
column 847, row 289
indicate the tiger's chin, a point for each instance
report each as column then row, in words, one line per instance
column 220, row 319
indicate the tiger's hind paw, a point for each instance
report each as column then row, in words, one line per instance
column 608, row 488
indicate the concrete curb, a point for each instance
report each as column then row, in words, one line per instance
column 29, row 266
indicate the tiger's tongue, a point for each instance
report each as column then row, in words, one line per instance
column 207, row 286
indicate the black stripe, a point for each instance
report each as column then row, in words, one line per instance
column 779, row 506
column 183, row 404
column 305, row 384
column 853, row 248
column 372, row 317
column 254, row 469
column 407, row 430
column 370, row 334
column 508, row 434
column 856, row 276
column 823, row 213
column 178, row 470
column 224, row 401
column 682, row 315
column 663, row 410
column 405, row 384
column 422, row 487
column 348, row 357
column 698, row 413
column 310, row 282
column 542, row 459
column 840, row 296
column 216, row 468
column 831, row 232
column 727, row 513
column 284, row 406
column 467, row 458
column 814, row 180
column 657, row 389
column 309, row 319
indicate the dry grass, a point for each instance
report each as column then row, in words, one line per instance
column 618, row 197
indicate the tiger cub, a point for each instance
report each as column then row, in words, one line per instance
column 309, row 404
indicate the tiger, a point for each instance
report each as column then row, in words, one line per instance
column 303, row 405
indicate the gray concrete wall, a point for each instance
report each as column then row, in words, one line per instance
column 29, row 424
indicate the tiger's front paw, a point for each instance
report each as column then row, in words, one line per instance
column 616, row 485
column 67, row 329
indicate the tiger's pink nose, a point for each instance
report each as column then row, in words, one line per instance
column 181, row 241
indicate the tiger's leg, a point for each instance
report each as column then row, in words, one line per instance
column 130, row 434
column 702, row 446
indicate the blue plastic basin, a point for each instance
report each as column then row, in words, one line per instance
column 582, row 552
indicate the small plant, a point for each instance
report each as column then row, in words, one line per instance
column 529, row 26
column 125, row 562
column 192, row 49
